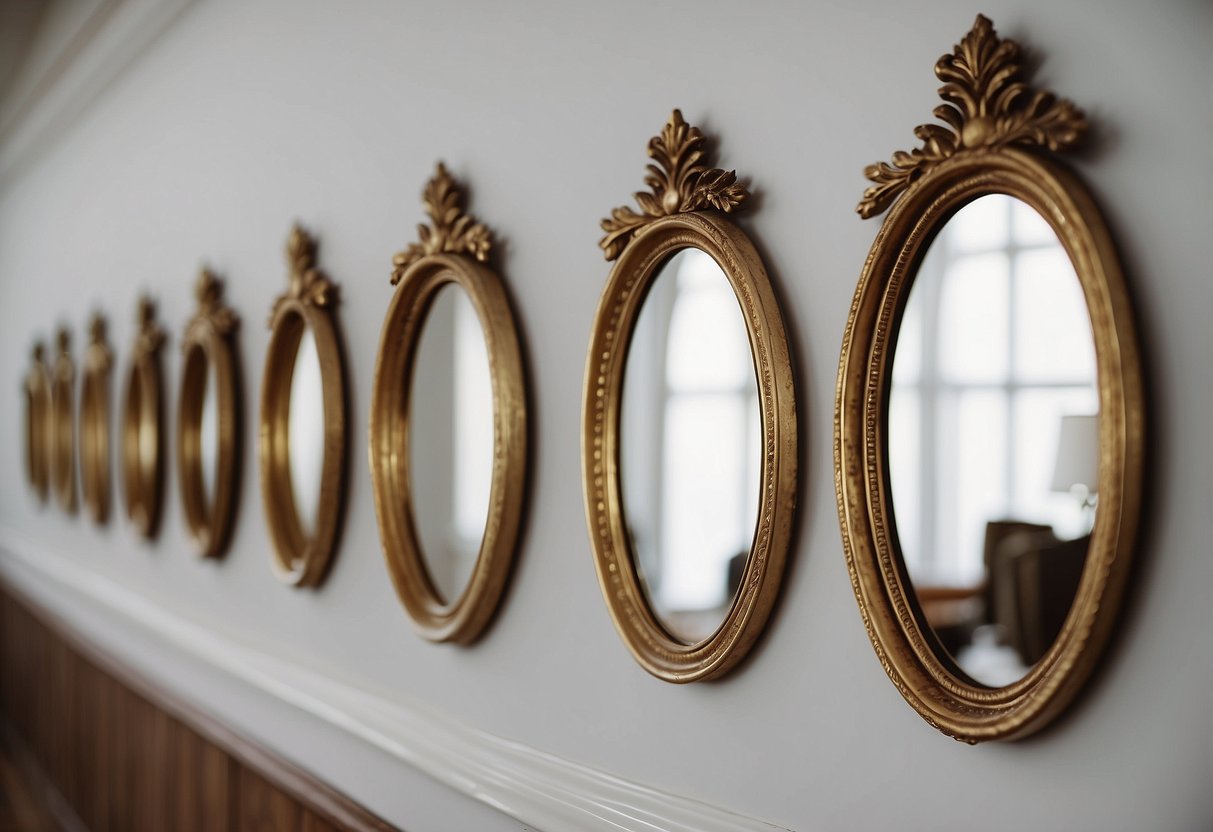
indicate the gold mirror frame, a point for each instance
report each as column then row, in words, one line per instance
column 142, row 426
column 62, row 425
column 95, row 423
column 1001, row 132
column 207, row 347
column 37, row 423
column 684, row 210
column 453, row 249
column 297, row 558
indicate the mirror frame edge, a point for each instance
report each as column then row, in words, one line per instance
column 957, row 706
column 654, row 236
column 444, row 256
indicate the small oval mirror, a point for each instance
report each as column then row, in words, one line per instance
column 451, row 440
column 689, row 385
column 208, row 420
column 306, row 432
column 993, row 437
column 141, row 431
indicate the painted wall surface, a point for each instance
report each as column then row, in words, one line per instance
column 243, row 117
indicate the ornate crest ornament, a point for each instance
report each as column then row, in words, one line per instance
column 679, row 183
column 308, row 285
column 986, row 105
column 150, row 337
column 451, row 230
column 212, row 313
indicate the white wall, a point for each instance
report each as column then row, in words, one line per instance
column 242, row 117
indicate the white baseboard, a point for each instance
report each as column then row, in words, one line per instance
column 536, row 788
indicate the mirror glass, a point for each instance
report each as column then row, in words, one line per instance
column 690, row 445
column 450, row 439
column 993, row 437
column 305, row 438
column 208, row 433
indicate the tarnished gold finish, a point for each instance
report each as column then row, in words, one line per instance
column 95, row 423
column 679, row 215
column 62, row 427
column 208, row 348
column 142, row 426
column 308, row 303
column 37, row 422
column 455, row 251
column 1007, row 155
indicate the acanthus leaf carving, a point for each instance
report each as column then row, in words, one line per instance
column 308, row 284
column 986, row 105
column 211, row 309
column 451, row 229
column 150, row 337
column 679, row 183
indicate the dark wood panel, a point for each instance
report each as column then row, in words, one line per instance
column 117, row 752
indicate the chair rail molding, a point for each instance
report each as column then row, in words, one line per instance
column 534, row 787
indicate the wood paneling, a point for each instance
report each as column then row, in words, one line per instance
column 124, row 754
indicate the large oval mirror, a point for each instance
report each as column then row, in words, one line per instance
column 689, row 384
column 37, row 423
column 62, row 425
column 302, row 424
column 689, row 422
column 142, row 426
column 448, row 425
column 451, row 440
column 993, row 438
column 990, row 416
column 207, row 421
column 95, row 423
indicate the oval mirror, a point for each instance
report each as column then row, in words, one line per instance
column 689, row 422
column 207, row 420
column 689, row 384
column 95, row 423
column 989, row 425
column 995, row 363
column 142, row 421
column 62, row 425
column 302, row 426
column 37, row 422
column 451, row 440
column 448, row 425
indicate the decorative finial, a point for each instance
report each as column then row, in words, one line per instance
column 451, row 230
column 986, row 105
column 39, row 352
column 307, row 283
column 679, row 184
column 64, row 339
column 145, row 312
column 211, row 310
column 96, row 329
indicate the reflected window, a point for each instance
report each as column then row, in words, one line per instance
column 692, row 456
column 995, row 347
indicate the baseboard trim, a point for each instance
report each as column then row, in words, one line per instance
column 536, row 788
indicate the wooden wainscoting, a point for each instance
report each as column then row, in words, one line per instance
column 110, row 750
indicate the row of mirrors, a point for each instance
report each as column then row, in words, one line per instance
column 988, row 422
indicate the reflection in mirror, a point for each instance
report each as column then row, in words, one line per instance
column 306, row 431
column 993, row 441
column 208, row 433
column 451, row 440
column 691, row 449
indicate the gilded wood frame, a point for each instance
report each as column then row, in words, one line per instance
column 297, row 558
column 143, row 426
column 685, row 211
column 95, row 423
column 208, row 347
column 1002, row 130
column 62, row 425
column 453, row 249
column 37, row 423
